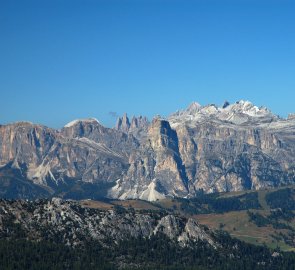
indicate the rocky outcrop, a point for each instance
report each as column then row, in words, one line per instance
column 156, row 169
column 123, row 123
column 138, row 126
column 74, row 224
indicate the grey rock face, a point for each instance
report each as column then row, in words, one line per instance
column 74, row 223
column 123, row 123
column 220, row 155
column 114, row 140
column 137, row 127
column 25, row 143
column 82, row 151
column 230, row 148
column 233, row 148
column 156, row 168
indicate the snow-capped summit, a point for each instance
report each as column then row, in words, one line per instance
column 210, row 109
column 87, row 120
column 246, row 107
column 238, row 113
column 194, row 107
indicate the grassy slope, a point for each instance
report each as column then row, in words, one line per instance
column 236, row 223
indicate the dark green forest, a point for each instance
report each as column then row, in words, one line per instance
column 213, row 203
column 157, row 252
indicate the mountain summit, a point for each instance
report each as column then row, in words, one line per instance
column 234, row 147
column 239, row 112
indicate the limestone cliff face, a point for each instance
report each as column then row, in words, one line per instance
column 89, row 152
column 24, row 143
column 78, row 159
column 227, row 156
column 82, row 151
column 233, row 148
column 236, row 147
column 169, row 168
column 91, row 129
column 156, row 169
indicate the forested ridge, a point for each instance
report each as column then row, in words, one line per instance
column 49, row 234
column 155, row 253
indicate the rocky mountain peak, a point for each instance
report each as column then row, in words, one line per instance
column 161, row 134
column 81, row 127
column 194, row 107
column 225, row 104
column 137, row 127
column 159, row 122
column 139, row 122
column 246, row 107
column 123, row 123
column 81, row 122
column 238, row 113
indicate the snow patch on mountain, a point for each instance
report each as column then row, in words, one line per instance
column 237, row 113
column 98, row 146
column 87, row 120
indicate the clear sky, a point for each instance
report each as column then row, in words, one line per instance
column 67, row 59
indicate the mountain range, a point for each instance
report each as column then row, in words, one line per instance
column 203, row 149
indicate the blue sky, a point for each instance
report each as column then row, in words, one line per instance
column 67, row 59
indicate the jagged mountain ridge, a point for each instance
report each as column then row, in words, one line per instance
column 234, row 147
column 238, row 113
column 84, row 150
